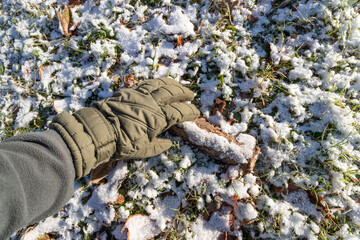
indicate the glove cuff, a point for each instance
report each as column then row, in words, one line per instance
column 89, row 136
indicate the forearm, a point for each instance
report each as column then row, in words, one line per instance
column 36, row 179
column 37, row 170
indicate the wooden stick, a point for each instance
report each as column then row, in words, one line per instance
column 201, row 123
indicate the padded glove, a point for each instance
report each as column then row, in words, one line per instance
column 126, row 125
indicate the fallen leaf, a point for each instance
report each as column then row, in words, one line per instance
column 117, row 82
column 292, row 187
column 223, row 236
column 179, row 41
column 166, row 194
column 120, row 199
column 28, row 230
column 129, row 80
column 65, row 20
column 213, row 207
column 314, row 198
column 278, row 189
column 101, row 172
column 54, row 105
column 218, row 106
column 318, row 200
column 123, row 22
column 235, row 198
column 73, row 27
column 227, row 236
column 245, row 95
column 41, row 69
column 44, row 237
column 252, row 18
column 60, row 105
column 232, row 220
column 85, row 199
column 232, row 120
column 73, row 3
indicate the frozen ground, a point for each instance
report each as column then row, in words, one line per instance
column 288, row 71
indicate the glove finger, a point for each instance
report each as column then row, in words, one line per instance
column 179, row 112
column 153, row 148
column 171, row 94
column 149, row 85
column 166, row 91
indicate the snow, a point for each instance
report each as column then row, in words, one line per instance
column 213, row 228
column 24, row 115
column 140, row 227
column 288, row 71
column 245, row 211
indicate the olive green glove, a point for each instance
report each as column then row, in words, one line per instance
column 126, row 125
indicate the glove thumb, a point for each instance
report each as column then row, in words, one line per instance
column 153, row 148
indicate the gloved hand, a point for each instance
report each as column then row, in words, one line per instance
column 126, row 125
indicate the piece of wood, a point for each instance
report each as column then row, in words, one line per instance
column 247, row 166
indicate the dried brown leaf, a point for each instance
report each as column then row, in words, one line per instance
column 223, row 236
column 232, row 120
column 85, row 199
column 227, row 236
column 245, row 95
column 252, row 18
column 41, row 69
column 65, row 20
column 210, row 209
column 54, row 105
column 120, row 199
column 73, row 3
column 45, row 237
column 26, row 72
column 232, row 220
column 166, row 194
column 235, row 199
column 314, row 198
column 218, row 106
column 129, row 80
column 179, row 41
column 292, row 187
column 101, row 172
column 278, row 189
column 117, row 81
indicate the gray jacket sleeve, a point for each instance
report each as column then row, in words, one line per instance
column 36, row 179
